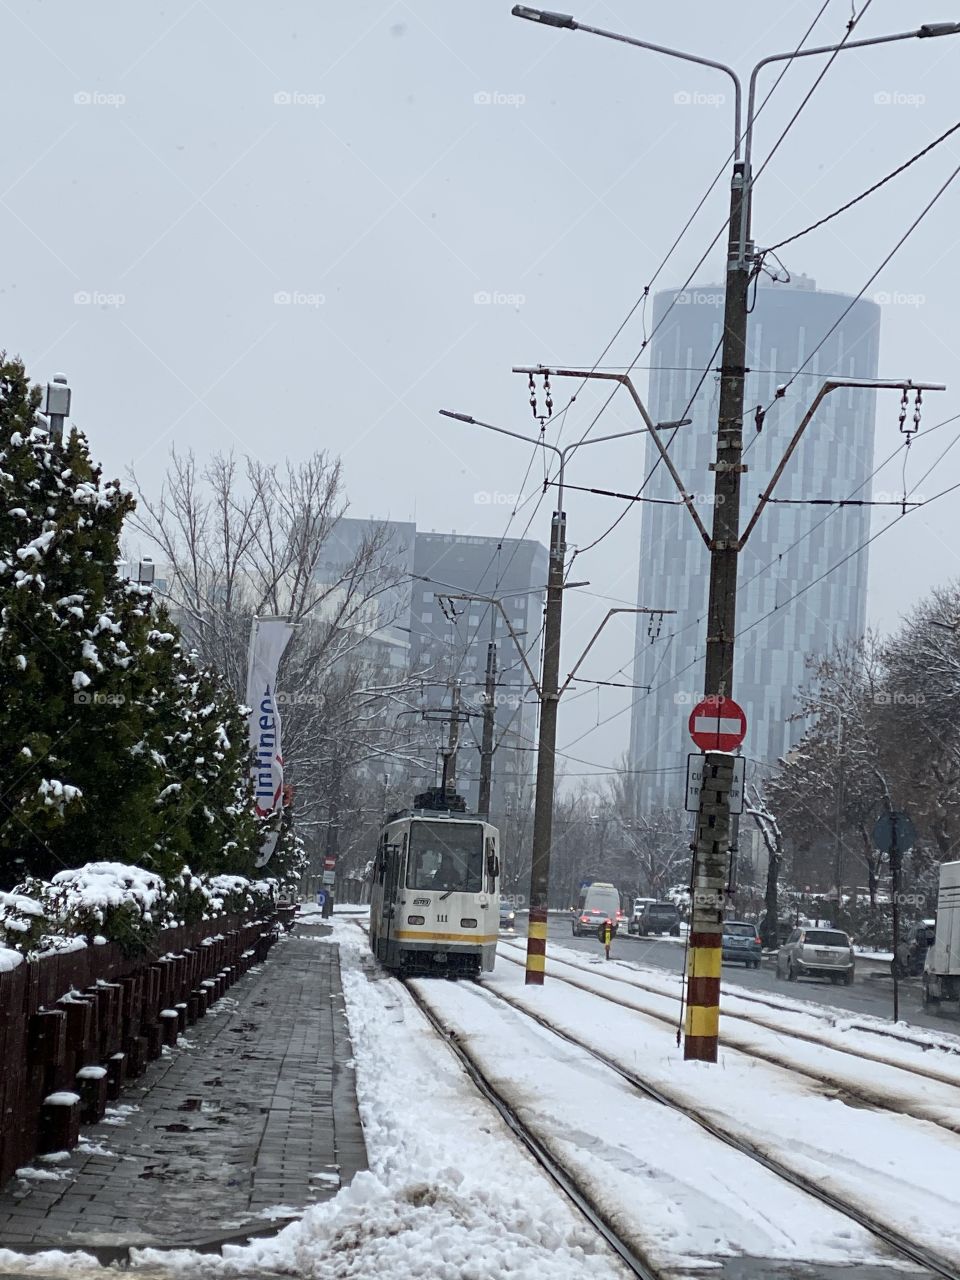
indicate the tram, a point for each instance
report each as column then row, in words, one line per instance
column 435, row 897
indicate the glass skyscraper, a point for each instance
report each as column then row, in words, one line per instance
column 791, row 546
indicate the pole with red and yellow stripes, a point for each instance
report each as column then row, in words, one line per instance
column 705, row 942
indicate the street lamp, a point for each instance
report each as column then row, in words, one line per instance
column 57, row 406
column 714, row 821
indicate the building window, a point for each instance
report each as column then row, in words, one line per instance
column 426, row 617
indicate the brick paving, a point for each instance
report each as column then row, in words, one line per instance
column 258, row 1113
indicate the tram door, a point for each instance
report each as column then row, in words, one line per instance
column 393, row 890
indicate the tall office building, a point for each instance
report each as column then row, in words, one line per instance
column 414, row 624
column 385, row 619
column 451, row 637
column 792, row 545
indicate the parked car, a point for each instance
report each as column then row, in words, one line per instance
column 508, row 918
column 659, row 917
column 912, row 951
column 817, row 953
column 633, row 923
column 741, row 941
column 598, row 902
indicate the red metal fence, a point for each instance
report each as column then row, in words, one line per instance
column 74, row 1026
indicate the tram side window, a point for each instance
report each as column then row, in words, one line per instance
column 448, row 857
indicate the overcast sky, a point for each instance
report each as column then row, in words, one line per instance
column 272, row 228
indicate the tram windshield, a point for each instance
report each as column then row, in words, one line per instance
column 446, row 856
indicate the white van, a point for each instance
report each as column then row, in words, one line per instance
column 598, row 902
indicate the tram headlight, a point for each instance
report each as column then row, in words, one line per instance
column 468, row 924
column 414, row 919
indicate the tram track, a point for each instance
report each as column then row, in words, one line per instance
column 918, row 1254
column 894, row 1241
column 808, row 1037
column 578, row 1196
column 839, row 1087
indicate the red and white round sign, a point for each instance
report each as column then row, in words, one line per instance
column 717, row 724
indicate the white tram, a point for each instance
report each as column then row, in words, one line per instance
column 435, row 898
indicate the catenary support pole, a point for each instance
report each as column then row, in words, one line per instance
column 712, row 844
column 489, row 712
column 546, row 749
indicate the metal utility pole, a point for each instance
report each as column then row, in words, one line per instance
column 714, row 819
column 546, row 753
column 713, row 829
column 489, row 713
column 448, row 780
column 549, row 691
column 838, row 850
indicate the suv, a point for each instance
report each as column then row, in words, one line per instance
column 659, row 917
column 817, row 953
column 638, row 904
column 741, row 941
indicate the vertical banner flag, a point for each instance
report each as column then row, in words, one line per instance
column 269, row 638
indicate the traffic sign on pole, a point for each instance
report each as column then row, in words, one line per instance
column 695, row 766
column 329, row 877
column 329, row 862
column 717, row 724
column 894, row 830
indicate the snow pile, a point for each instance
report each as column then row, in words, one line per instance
column 98, row 886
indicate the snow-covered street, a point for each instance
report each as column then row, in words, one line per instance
column 452, row 1193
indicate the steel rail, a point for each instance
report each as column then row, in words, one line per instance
column 901, row 1244
column 917, row 1070
column 536, row 1148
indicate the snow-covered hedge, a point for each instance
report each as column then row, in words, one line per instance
column 113, row 902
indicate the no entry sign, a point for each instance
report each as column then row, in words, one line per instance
column 717, row 724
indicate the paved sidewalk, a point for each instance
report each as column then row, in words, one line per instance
column 256, row 1113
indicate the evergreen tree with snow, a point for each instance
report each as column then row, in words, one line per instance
column 112, row 746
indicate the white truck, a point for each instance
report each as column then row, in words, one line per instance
column 941, row 969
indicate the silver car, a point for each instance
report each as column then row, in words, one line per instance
column 817, row 953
